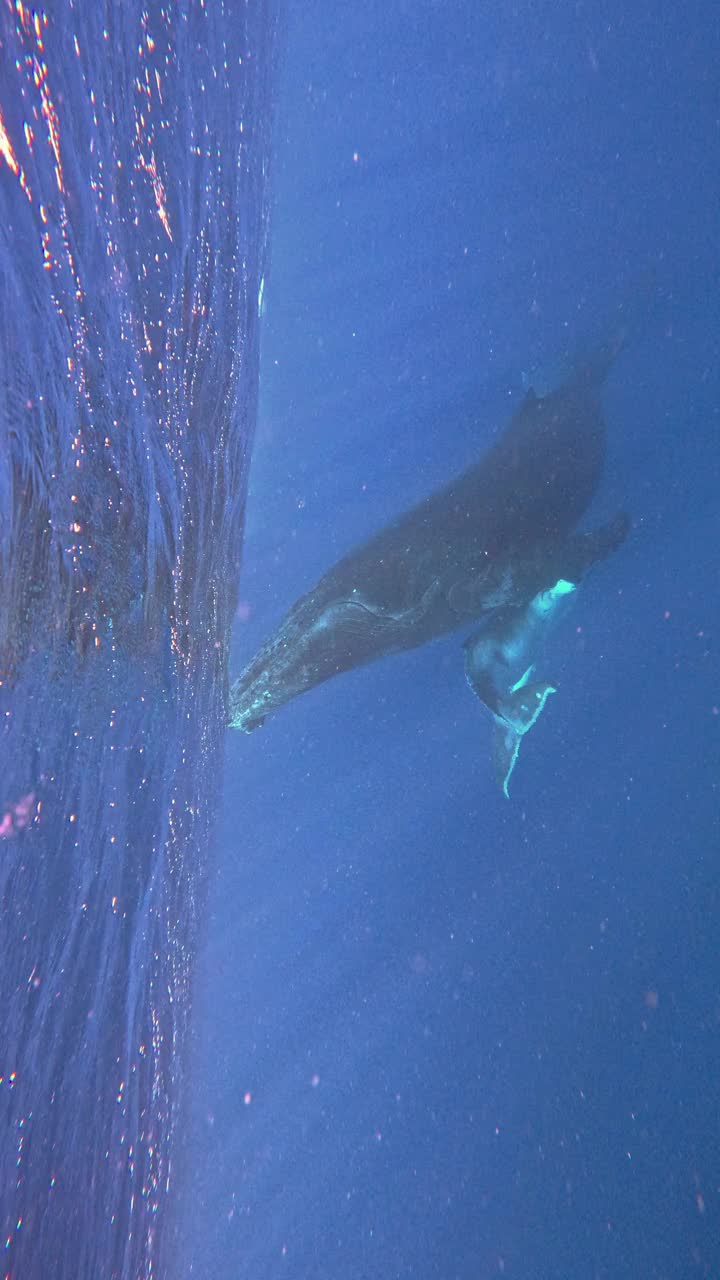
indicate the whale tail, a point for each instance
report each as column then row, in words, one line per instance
column 588, row 363
column 627, row 322
column 586, row 549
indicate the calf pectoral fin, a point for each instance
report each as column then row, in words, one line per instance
column 521, row 707
column 506, row 747
column 517, row 712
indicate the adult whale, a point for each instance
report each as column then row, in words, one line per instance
column 494, row 545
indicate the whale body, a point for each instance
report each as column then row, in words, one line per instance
column 483, row 548
column 500, row 668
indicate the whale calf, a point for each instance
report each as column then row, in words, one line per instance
column 491, row 547
column 500, row 668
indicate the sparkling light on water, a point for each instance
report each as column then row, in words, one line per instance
column 133, row 159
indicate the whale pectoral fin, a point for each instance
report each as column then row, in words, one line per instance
column 506, row 746
column 521, row 707
column 516, row 714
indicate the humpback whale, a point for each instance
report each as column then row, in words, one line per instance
column 498, row 546
column 496, row 659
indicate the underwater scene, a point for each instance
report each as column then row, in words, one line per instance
column 359, row 682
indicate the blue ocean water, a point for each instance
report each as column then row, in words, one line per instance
column 134, row 149
column 440, row 1034
column 437, row 1034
